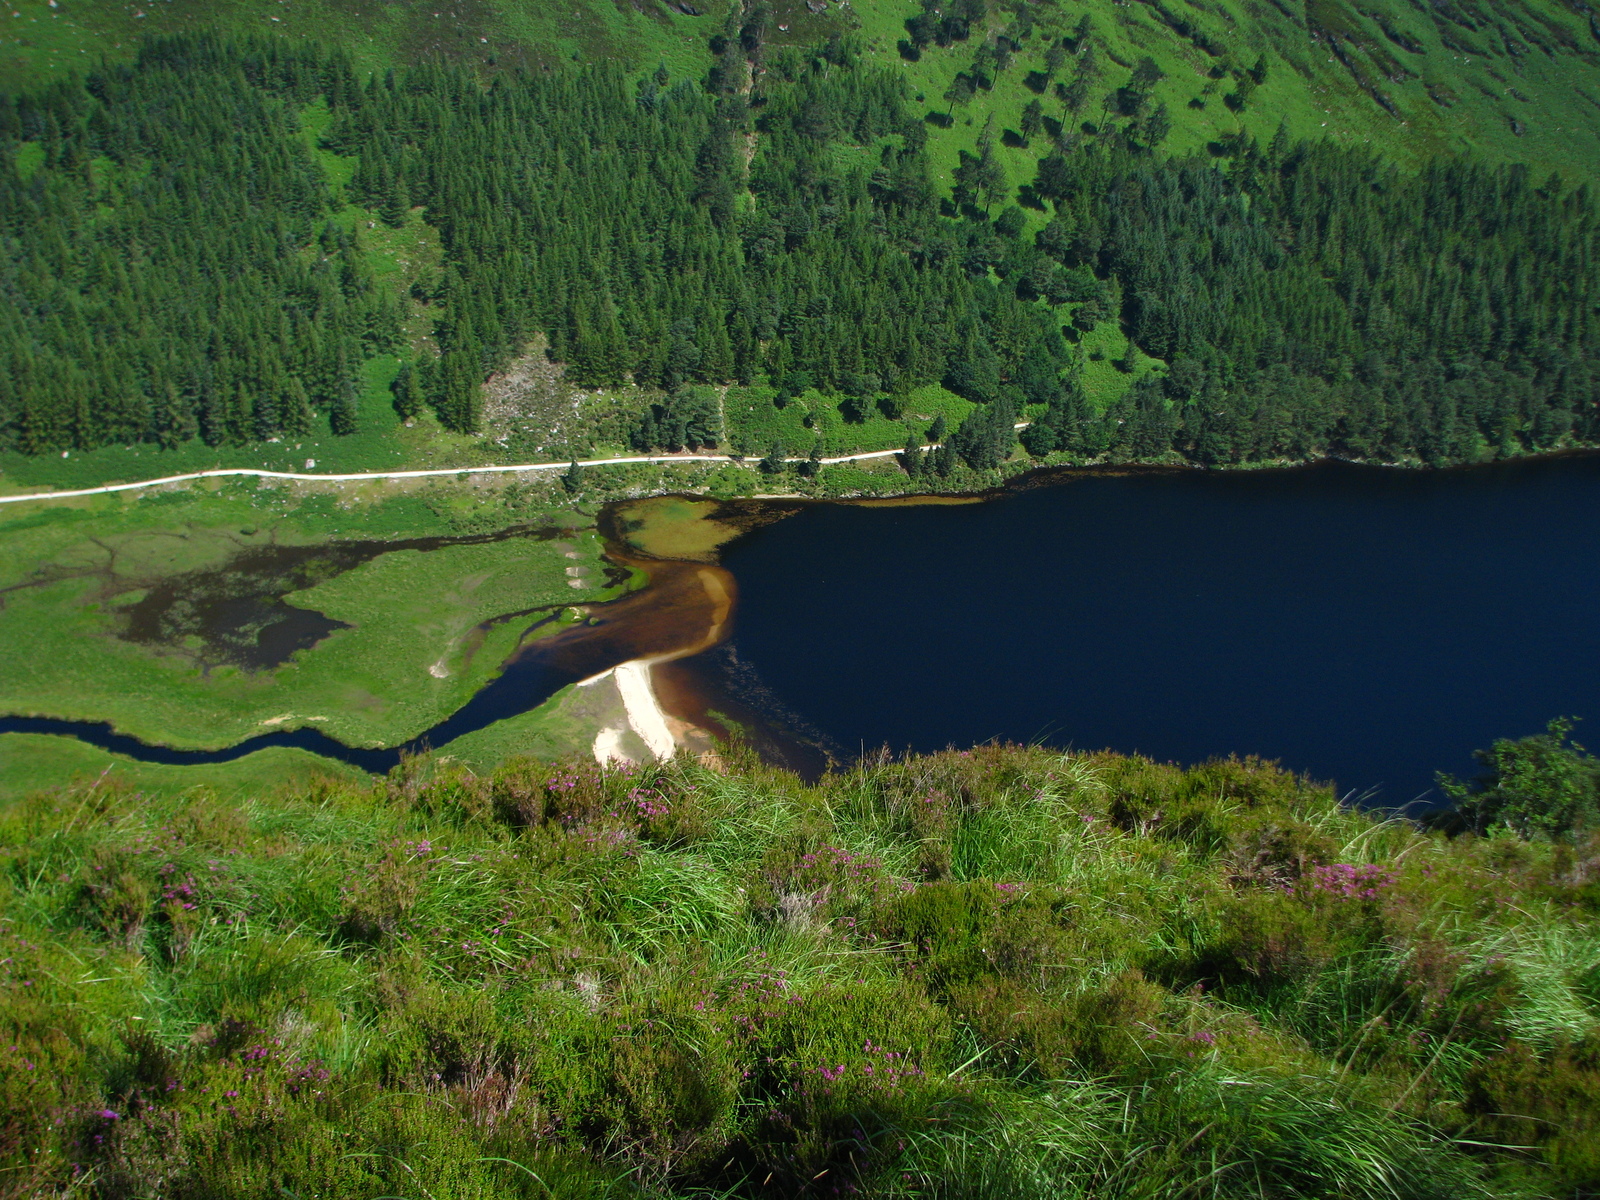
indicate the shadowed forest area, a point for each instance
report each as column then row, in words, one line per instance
column 1002, row 972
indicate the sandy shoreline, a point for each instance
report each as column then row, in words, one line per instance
column 643, row 715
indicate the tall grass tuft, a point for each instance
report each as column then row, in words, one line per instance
column 996, row 973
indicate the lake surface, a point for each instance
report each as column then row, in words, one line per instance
column 1367, row 626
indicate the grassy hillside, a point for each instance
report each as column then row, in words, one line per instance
column 996, row 973
column 45, row 40
column 1515, row 81
column 1511, row 82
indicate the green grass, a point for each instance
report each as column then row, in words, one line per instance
column 995, row 973
column 814, row 421
column 1455, row 91
column 46, row 42
column 549, row 731
column 425, row 627
column 1306, row 88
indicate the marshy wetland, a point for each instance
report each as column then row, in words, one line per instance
column 1362, row 625
column 196, row 621
column 1051, row 973
column 223, row 640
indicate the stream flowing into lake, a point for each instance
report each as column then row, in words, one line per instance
column 1363, row 625
column 670, row 614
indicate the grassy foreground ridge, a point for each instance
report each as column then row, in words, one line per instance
column 1003, row 972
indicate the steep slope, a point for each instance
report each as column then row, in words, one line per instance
column 842, row 208
column 1001, row 973
column 1517, row 81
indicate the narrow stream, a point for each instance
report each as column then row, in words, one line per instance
column 1363, row 625
column 668, row 615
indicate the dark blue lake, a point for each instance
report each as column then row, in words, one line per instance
column 1367, row 626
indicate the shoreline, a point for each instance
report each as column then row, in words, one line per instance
column 661, row 733
column 1027, row 471
column 657, row 720
column 642, row 714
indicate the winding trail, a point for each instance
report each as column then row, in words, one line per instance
column 431, row 473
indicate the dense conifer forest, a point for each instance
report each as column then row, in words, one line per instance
column 170, row 270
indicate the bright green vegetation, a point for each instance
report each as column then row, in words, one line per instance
column 860, row 205
column 492, row 35
column 1539, row 786
column 550, row 731
column 32, row 763
column 996, row 973
column 814, row 421
column 1457, row 75
column 158, row 614
column 1515, row 82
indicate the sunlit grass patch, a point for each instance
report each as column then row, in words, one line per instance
column 1002, row 972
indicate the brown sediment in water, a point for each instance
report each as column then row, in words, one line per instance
column 678, row 622
column 684, row 609
column 703, row 711
column 910, row 501
column 679, row 528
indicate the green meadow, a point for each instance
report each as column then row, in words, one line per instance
column 30, row 763
column 813, row 421
column 423, row 628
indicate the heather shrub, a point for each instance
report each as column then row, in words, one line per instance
column 671, row 1088
column 997, row 972
column 831, row 1068
column 1550, row 1103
